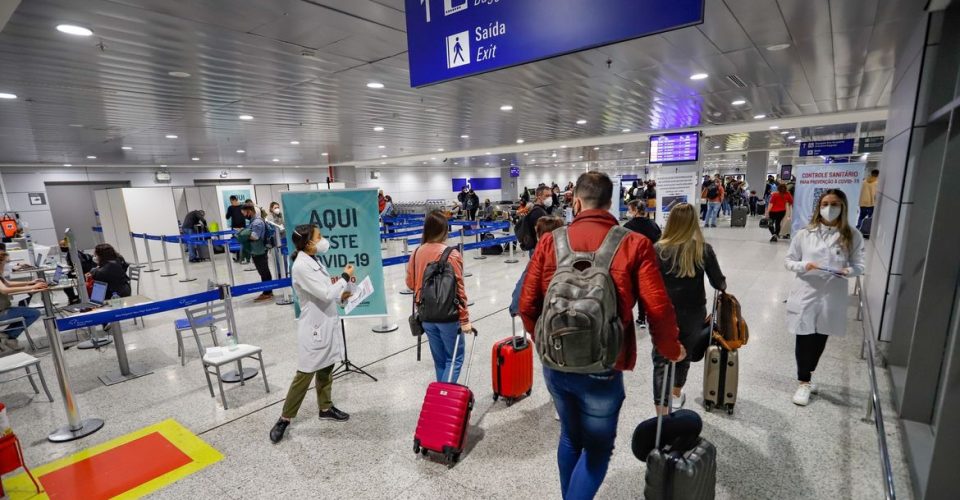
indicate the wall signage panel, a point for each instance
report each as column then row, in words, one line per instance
column 448, row 39
column 871, row 144
column 477, row 183
column 673, row 148
column 827, row 148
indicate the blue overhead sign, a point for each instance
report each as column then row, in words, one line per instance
column 827, row 148
column 448, row 39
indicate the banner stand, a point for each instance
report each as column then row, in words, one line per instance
column 347, row 366
column 385, row 326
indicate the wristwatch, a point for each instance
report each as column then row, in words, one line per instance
column 345, row 276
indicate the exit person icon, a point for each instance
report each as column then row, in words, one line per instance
column 458, row 50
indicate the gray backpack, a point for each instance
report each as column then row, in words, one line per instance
column 579, row 330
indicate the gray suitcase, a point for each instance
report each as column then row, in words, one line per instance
column 739, row 217
column 721, row 375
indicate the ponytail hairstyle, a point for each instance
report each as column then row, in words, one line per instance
column 302, row 236
column 843, row 225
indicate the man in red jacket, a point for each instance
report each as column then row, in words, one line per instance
column 589, row 404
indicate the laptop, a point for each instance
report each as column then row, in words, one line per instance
column 98, row 297
column 57, row 276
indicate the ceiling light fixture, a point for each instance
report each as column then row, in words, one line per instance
column 785, row 132
column 506, row 107
column 625, row 130
column 699, row 76
column 241, row 151
column 716, row 147
column 620, row 150
column 239, row 166
column 275, row 160
column 774, row 127
column 74, row 30
column 171, row 136
column 563, row 146
column 381, row 146
column 7, row 95
column 433, row 158
column 374, row 85
column 596, row 148
column 91, row 157
column 581, row 122
column 791, row 137
column 195, row 158
column 383, row 156
column 520, row 141
column 179, row 74
column 439, row 150
column 739, row 102
column 778, row 47
column 378, row 129
column 464, row 136
column 324, row 154
column 126, row 148
column 68, row 164
column 295, row 143
column 759, row 117
column 245, row 117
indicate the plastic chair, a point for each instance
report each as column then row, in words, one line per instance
column 183, row 325
column 8, row 323
column 24, row 361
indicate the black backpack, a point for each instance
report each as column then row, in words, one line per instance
column 438, row 301
column 526, row 232
column 712, row 191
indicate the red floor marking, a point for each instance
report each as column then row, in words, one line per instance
column 115, row 471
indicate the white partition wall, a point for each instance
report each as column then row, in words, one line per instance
column 303, row 187
column 210, row 205
column 152, row 211
column 115, row 215
column 102, row 202
column 192, row 195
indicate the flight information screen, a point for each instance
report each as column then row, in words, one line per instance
column 673, row 148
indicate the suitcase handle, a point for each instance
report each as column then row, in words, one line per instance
column 665, row 397
column 513, row 325
column 456, row 347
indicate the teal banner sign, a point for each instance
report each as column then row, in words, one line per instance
column 350, row 220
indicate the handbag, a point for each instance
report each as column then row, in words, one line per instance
column 416, row 327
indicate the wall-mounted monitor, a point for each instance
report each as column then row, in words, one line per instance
column 514, row 171
column 675, row 148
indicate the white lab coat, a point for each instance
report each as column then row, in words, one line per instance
column 318, row 328
column 818, row 301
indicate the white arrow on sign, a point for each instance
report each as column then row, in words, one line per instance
column 427, row 2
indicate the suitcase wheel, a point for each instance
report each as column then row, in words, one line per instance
column 416, row 446
column 495, row 397
column 729, row 409
column 424, row 452
column 529, row 391
column 509, row 401
column 707, row 406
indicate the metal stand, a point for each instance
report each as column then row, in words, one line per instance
column 479, row 255
column 185, row 258
column 406, row 291
column 213, row 261
column 81, row 285
column 146, row 245
column 76, row 427
column 94, row 342
column 133, row 249
column 241, row 373
column 166, row 260
column 226, row 247
column 512, row 259
column 126, row 373
column 385, row 326
column 282, row 298
column 346, row 366
column 466, row 274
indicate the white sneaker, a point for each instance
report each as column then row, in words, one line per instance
column 814, row 388
column 677, row 402
column 802, row 396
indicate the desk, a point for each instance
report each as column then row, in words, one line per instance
column 126, row 373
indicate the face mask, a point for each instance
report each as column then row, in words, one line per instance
column 276, row 211
column 323, row 245
column 548, row 202
column 829, row 213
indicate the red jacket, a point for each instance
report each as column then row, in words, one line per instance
column 635, row 272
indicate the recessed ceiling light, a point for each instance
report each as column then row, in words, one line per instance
column 179, row 74
column 275, row 160
column 581, row 157
column 324, row 154
column 439, row 150
column 487, row 153
column 76, row 125
column 596, row 148
column 625, row 130
column 464, row 136
column 643, row 152
column 779, row 46
column 383, row 156
column 562, row 146
column 378, row 129
column 716, row 147
column 431, row 110
column 581, row 122
column 619, row 150
column 503, row 159
column 295, row 143
column 68, row 164
column 171, row 136
column 195, row 158
column 534, row 160
column 698, row 76
column 759, row 117
column 239, row 166
column 71, row 29
column 91, row 157
column 785, row 132
column 456, row 163
column 739, row 102
column 526, row 154
column 433, row 158
column 6, row 95
column 520, row 141
column 241, row 151
column 487, row 164
column 383, row 163
column 296, row 166
column 163, row 166
column 245, row 117
column 381, row 146
column 126, row 148
column 791, row 137
column 774, row 127
column 374, row 85
column 554, row 155
column 506, row 107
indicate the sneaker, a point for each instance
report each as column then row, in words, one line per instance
column 276, row 434
column 641, row 323
column 773, row 239
column 802, row 396
column 786, row 236
column 814, row 388
column 676, row 403
column 334, row 414
column 262, row 297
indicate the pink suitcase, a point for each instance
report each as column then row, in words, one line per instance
column 445, row 415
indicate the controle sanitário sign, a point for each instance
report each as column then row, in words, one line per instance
column 449, row 39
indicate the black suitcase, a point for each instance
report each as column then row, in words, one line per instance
column 491, row 250
column 689, row 474
column 738, row 217
column 764, row 222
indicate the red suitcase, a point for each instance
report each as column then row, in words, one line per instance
column 445, row 415
column 512, row 372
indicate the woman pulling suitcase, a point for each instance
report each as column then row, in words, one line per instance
column 684, row 259
column 823, row 255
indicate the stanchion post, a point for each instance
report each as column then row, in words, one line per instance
column 136, row 256
column 282, row 298
column 466, row 274
column 241, row 373
column 166, row 260
column 146, row 245
column 226, row 247
column 185, row 259
column 479, row 255
column 213, row 260
column 512, row 259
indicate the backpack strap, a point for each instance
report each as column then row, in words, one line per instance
column 446, row 255
column 561, row 244
column 603, row 257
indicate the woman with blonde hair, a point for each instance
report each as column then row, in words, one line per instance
column 684, row 259
column 823, row 255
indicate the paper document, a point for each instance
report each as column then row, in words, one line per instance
column 360, row 293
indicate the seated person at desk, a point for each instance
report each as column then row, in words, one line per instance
column 111, row 269
column 86, row 265
column 8, row 337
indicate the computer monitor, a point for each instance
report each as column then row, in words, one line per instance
column 99, row 293
column 57, row 276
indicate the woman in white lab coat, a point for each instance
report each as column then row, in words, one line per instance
column 319, row 343
column 824, row 255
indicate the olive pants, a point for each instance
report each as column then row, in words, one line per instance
column 300, row 385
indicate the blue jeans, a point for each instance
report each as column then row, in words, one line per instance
column 29, row 314
column 713, row 209
column 725, row 206
column 589, row 408
column 191, row 250
column 442, row 337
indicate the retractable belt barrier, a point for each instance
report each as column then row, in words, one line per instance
column 484, row 227
column 403, row 259
column 262, row 286
column 97, row 229
column 113, row 315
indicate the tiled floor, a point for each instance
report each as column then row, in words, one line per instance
column 768, row 449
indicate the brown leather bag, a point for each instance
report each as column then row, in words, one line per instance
column 731, row 330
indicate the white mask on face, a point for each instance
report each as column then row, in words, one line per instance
column 548, row 202
column 323, row 246
column 830, row 213
column 276, row 211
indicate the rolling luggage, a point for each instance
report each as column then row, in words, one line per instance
column 512, row 371
column 721, row 373
column 491, row 250
column 865, row 226
column 445, row 415
column 680, row 469
column 738, row 217
column 764, row 222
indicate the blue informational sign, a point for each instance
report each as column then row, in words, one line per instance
column 350, row 220
column 514, row 171
column 674, row 148
column 477, row 183
column 827, row 148
column 448, row 39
